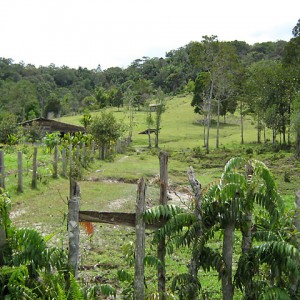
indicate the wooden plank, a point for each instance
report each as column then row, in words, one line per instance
column 115, row 218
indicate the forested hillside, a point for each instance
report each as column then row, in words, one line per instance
column 29, row 91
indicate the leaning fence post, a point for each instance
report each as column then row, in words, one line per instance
column 34, row 169
column 140, row 241
column 20, row 172
column 163, row 199
column 2, row 174
column 73, row 227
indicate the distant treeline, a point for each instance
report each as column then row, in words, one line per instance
column 28, row 91
column 261, row 79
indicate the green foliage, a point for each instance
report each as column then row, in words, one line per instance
column 106, row 130
column 32, row 133
column 51, row 140
column 8, row 127
column 184, row 285
column 86, row 120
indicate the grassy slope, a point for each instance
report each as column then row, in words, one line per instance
column 181, row 136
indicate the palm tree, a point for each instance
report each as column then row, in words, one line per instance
column 244, row 199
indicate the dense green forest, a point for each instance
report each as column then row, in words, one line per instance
column 226, row 77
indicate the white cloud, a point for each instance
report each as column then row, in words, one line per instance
column 114, row 33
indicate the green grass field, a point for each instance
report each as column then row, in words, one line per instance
column 111, row 185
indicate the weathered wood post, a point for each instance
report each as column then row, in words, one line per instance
column 163, row 199
column 83, row 156
column 55, row 162
column 196, row 187
column 78, row 152
column 3, row 241
column 93, row 149
column 64, row 162
column 73, row 227
column 2, row 173
column 34, row 169
column 20, row 172
column 70, row 159
column 139, row 291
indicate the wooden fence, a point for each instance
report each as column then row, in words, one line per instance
column 62, row 160
column 127, row 219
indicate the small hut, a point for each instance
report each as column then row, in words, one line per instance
column 49, row 125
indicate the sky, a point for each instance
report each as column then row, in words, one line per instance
column 113, row 33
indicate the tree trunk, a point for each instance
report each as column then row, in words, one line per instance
column 227, row 285
column 204, row 131
column 2, row 173
column 242, row 123
column 34, row 169
column 218, row 124
column 297, row 144
column 149, row 138
column 156, row 138
column 258, row 131
column 209, row 116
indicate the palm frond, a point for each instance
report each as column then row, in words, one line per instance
column 185, row 285
column 234, row 163
column 271, row 293
column 161, row 212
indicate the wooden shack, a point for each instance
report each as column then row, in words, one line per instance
column 49, row 125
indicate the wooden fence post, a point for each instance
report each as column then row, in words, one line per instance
column 55, row 162
column 73, row 227
column 20, row 172
column 64, row 162
column 139, row 291
column 2, row 173
column 197, row 189
column 34, row 169
column 296, row 219
column 163, row 199
column 71, row 159
column 93, row 150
